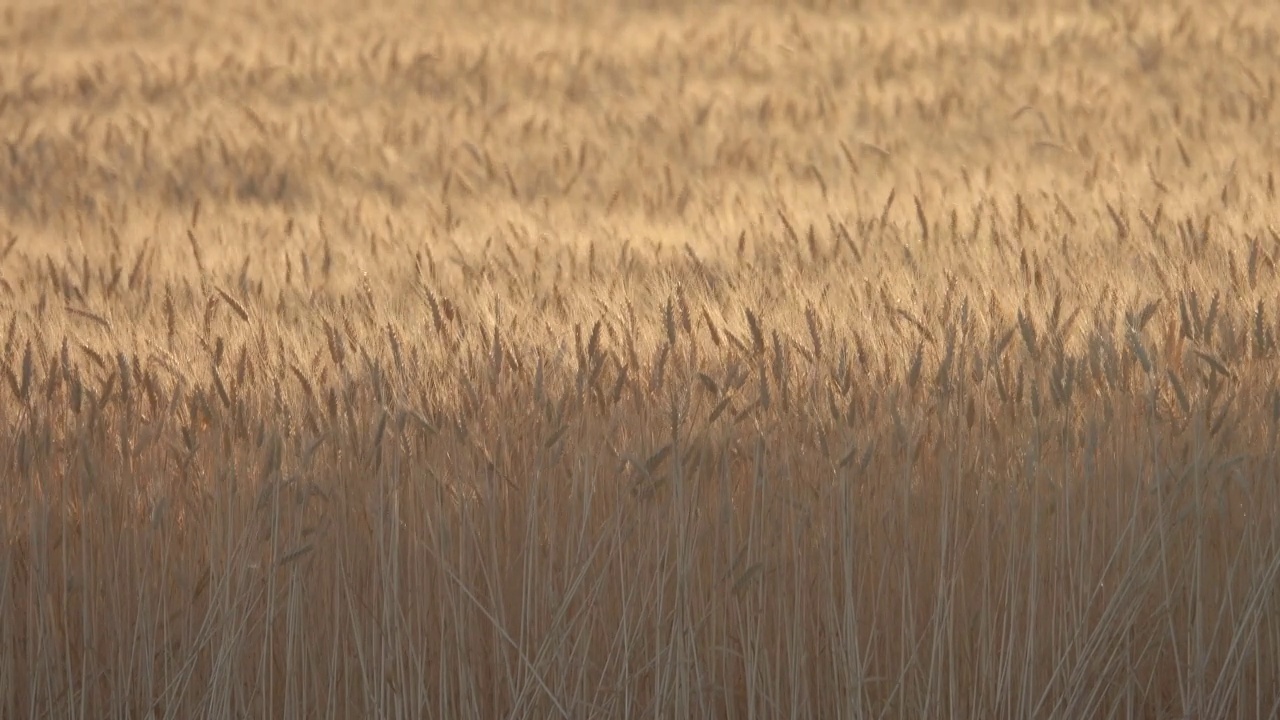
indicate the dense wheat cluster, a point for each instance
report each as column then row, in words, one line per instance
column 503, row 358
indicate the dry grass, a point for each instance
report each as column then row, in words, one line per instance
column 516, row 359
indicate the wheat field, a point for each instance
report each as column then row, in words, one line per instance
column 621, row 359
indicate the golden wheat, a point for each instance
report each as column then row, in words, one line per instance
column 820, row 359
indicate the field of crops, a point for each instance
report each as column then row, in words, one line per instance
column 624, row 359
